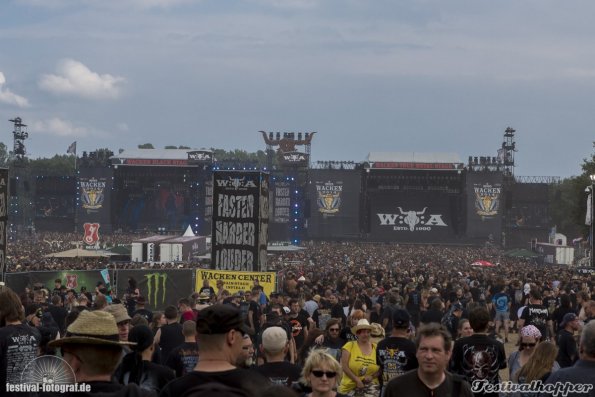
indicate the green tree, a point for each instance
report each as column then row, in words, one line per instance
column 146, row 146
column 3, row 155
column 171, row 147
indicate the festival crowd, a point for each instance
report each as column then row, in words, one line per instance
column 351, row 319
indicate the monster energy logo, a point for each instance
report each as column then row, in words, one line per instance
column 155, row 285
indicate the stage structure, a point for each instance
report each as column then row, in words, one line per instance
column 55, row 203
column 240, row 221
column 288, row 165
column 162, row 189
column 21, row 212
column 414, row 197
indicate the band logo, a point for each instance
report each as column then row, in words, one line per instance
column 91, row 233
column 236, row 183
column 92, row 193
column 200, row 156
column 414, row 221
column 487, row 199
column 71, row 281
column 329, row 197
column 156, row 287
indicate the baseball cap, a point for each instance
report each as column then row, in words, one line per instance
column 219, row 319
column 568, row 317
column 274, row 339
column 401, row 318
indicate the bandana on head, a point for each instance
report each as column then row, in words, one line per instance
column 531, row 331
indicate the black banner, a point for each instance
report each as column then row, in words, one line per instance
column 240, row 220
column 74, row 279
column 3, row 219
column 281, row 199
column 94, row 186
column 160, row 288
column 413, row 216
column 19, row 281
column 334, row 197
column 200, row 157
column 485, row 198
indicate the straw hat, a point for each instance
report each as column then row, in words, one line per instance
column 361, row 324
column 118, row 311
column 92, row 328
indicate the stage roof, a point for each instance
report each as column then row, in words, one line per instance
column 414, row 160
column 155, row 157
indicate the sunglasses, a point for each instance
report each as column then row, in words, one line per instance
column 528, row 344
column 334, row 329
column 320, row 374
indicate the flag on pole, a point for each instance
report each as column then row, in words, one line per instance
column 71, row 148
column 588, row 215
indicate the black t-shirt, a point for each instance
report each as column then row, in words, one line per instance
column 183, row 358
column 298, row 324
column 256, row 314
column 478, row 357
column 334, row 346
column 280, row 373
column 171, row 337
column 567, row 352
column 409, row 384
column 538, row 316
column 147, row 314
column 237, row 378
column 59, row 314
column 154, row 377
column 432, row 316
column 395, row 355
column 18, row 347
column 413, row 301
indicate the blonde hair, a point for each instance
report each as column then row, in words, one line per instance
column 539, row 364
column 317, row 358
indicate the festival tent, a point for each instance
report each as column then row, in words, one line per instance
column 78, row 253
column 483, row 264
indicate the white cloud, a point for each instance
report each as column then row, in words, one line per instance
column 74, row 78
column 9, row 97
column 58, row 127
column 122, row 127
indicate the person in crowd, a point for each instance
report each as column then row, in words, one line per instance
column 131, row 295
column 560, row 311
column 207, row 289
column 137, row 319
column 535, row 313
column 185, row 310
column 582, row 374
column 337, row 309
column 137, row 367
column 203, row 301
column 431, row 378
column 157, row 322
column 254, row 317
column 479, row 357
column 413, row 304
column 274, row 347
column 332, row 338
column 589, row 311
column 58, row 312
column 567, row 349
column 464, row 329
column 358, row 361
column 353, row 320
column 170, row 335
column 142, row 310
column 122, row 319
column 502, row 303
column 538, row 367
column 19, row 343
column 220, row 330
column 311, row 303
column 246, row 359
column 183, row 358
column 435, row 312
column 298, row 318
column 451, row 319
column 396, row 354
column 93, row 350
column 321, row 373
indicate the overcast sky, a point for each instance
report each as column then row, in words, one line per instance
column 368, row 75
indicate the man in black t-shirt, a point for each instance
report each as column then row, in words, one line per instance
column 140, row 309
column 396, row 354
column 537, row 314
column 169, row 335
column 434, row 348
column 567, row 350
column 413, row 305
column 183, row 358
column 254, row 317
column 298, row 319
column 479, row 358
column 220, row 330
column 275, row 346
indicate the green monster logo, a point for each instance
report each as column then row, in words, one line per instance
column 153, row 284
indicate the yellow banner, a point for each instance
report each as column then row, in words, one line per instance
column 237, row 281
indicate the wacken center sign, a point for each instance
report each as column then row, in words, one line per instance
column 329, row 197
column 240, row 220
column 487, row 199
column 412, row 220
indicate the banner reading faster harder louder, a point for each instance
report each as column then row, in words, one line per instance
column 237, row 281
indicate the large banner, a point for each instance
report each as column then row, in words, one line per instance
column 3, row 219
column 94, row 188
column 160, row 288
column 334, row 197
column 413, row 216
column 485, row 197
column 240, row 220
column 237, row 281
column 74, row 279
column 280, row 207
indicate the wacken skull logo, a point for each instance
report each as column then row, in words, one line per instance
column 411, row 220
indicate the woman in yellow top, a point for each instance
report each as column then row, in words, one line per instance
column 358, row 360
